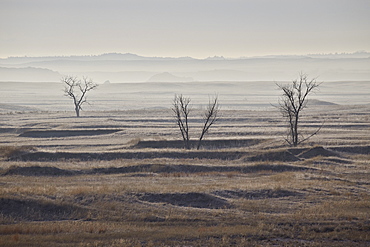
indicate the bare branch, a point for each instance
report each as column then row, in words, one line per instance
column 210, row 117
column 78, row 96
column 292, row 102
column 181, row 109
column 314, row 133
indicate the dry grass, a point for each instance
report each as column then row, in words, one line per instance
column 7, row 152
column 267, row 195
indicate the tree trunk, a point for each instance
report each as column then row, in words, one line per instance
column 77, row 109
column 200, row 140
column 295, row 133
column 187, row 144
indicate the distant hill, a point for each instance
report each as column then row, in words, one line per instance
column 29, row 74
column 128, row 67
column 105, row 56
column 317, row 102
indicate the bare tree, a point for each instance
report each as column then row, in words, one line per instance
column 210, row 117
column 291, row 104
column 77, row 89
column 181, row 109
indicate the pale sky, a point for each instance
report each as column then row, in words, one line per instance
column 196, row 28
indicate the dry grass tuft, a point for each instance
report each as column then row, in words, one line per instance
column 7, row 152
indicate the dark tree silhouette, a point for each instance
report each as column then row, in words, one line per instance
column 291, row 104
column 181, row 109
column 77, row 89
column 210, row 117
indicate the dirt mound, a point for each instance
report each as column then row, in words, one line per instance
column 37, row 171
column 283, row 155
column 296, row 151
column 66, row 133
column 159, row 168
column 315, row 102
column 38, row 210
column 195, row 200
column 257, row 194
column 317, row 151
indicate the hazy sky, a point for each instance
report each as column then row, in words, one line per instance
column 196, row 28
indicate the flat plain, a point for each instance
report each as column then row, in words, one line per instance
column 122, row 178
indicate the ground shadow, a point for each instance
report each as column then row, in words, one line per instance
column 193, row 199
column 148, row 168
column 34, row 210
column 256, row 194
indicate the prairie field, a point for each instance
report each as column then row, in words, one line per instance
column 122, row 178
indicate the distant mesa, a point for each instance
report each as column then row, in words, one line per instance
column 168, row 77
column 107, row 82
column 216, row 58
column 120, row 56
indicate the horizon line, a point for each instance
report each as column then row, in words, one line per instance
column 216, row 57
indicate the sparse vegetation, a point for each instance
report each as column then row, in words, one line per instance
column 210, row 117
column 181, row 109
column 291, row 105
column 77, row 89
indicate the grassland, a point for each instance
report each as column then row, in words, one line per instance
column 122, row 179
